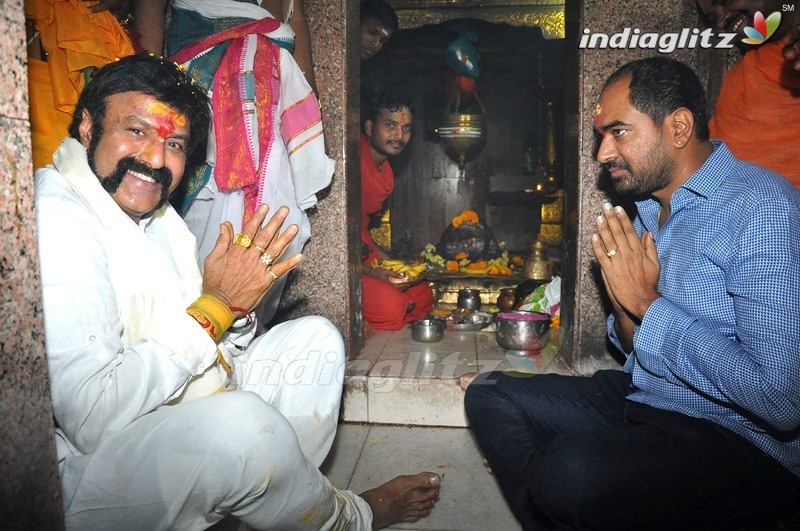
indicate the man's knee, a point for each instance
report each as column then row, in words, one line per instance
column 484, row 401
column 476, row 396
column 324, row 335
column 244, row 433
column 568, row 481
column 384, row 305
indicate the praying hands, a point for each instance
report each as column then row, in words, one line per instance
column 629, row 267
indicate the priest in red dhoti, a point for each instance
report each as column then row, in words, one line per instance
column 389, row 303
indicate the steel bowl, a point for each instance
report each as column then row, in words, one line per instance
column 521, row 330
column 427, row 330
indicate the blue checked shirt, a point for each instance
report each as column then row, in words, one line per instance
column 723, row 341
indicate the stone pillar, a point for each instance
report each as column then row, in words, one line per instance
column 328, row 281
column 584, row 308
column 30, row 494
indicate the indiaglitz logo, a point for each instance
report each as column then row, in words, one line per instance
column 762, row 29
column 687, row 38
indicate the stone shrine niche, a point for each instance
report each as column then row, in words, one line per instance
column 521, row 70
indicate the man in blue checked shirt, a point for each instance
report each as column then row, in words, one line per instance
column 701, row 429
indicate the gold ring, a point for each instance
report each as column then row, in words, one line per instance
column 267, row 259
column 260, row 249
column 612, row 252
column 243, row 240
column 274, row 276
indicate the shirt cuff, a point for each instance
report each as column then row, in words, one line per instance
column 660, row 334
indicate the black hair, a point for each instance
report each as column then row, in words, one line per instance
column 381, row 10
column 157, row 77
column 660, row 85
column 390, row 99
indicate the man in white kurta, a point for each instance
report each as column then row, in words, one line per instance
column 153, row 428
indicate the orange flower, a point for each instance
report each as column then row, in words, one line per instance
column 452, row 265
column 461, row 256
column 467, row 216
column 478, row 265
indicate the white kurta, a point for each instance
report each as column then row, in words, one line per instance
column 127, row 459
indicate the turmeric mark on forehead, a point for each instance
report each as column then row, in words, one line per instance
column 166, row 118
column 162, row 109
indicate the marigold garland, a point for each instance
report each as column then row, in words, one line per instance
column 467, row 216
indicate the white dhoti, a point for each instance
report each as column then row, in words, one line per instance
column 252, row 452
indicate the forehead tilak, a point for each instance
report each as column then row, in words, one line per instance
column 163, row 110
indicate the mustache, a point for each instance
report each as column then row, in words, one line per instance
column 162, row 176
column 612, row 166
column 398, row 143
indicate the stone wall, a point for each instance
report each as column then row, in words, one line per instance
column 328, row 282
column 30, row 497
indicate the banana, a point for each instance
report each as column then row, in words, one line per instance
column 408, row 270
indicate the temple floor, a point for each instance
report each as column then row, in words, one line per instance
column 396, row 380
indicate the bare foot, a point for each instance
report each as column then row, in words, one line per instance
column 403, row 499
column 466, row 379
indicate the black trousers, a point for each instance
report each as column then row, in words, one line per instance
column 571, row 452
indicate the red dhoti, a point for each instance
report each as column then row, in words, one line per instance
column 385, row 305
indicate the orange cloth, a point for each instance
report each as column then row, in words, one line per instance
column 758, row 109
column 74, row 39
column 384, row 304
column 376, row 186
column 48, row 124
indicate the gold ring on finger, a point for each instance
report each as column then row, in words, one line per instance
column 261, row 250
column 242, row 240
column 612, row 252
column 267, row 259
column 274, row 276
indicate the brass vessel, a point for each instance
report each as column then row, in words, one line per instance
column 537, row 267
column 464, row 136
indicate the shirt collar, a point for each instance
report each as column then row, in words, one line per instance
column 713, row 171
column 703, row 182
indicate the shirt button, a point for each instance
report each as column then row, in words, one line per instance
column 92, row 338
